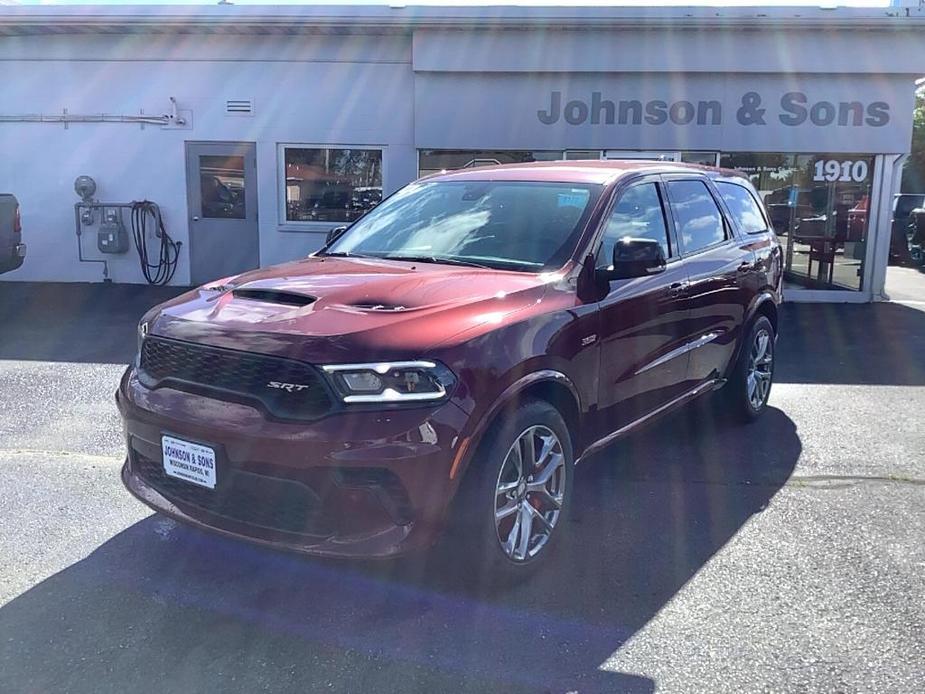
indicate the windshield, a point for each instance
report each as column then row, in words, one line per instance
column 515, row 225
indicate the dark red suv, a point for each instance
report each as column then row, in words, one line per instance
column 451, row 356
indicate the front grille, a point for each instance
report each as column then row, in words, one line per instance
column 232, row 375
column 267, row 502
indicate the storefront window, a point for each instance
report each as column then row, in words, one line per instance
column 583, row 154
column 433, row 161
column 701, row 158
column 818, row 204
column 436, row 160
column 331, row 185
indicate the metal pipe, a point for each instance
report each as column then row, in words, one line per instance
column 75, row 118
column 80, row 256
column 172, row 118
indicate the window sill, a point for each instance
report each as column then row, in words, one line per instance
column 309, row 227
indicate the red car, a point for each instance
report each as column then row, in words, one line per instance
column 451, row 356
column 857, row 220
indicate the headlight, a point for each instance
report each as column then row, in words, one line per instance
column 390, row 382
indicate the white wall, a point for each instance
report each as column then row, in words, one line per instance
column 718, row 49
column 321, row 90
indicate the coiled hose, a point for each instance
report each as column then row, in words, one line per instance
column 147, row 215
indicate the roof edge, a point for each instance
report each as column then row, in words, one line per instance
column 192, row 17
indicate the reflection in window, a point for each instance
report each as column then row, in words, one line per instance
column 221, row 187
column 331, row 185
column 508, row 224
column 743, row 206
column 699, row 221
column 638, row 214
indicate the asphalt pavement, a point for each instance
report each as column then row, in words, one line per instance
column 787, row 555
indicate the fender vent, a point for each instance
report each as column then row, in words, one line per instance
column 272, row 296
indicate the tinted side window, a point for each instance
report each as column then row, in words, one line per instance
column 700, row 223
column 639, row 215
column 743, row 206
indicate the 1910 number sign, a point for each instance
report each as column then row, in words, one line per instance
column 831, row 170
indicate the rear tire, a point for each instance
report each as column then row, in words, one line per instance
column 746, row 393
column 509, row 512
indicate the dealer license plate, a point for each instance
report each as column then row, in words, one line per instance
column 188, row 461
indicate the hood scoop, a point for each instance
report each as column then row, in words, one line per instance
column 274, row 296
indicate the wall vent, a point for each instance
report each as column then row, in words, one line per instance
column 239, row 107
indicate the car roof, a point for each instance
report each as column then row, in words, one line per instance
column 589, row 171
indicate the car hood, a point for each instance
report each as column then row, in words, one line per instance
column 325, row 309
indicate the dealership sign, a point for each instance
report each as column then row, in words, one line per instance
column 712, row 112
column 792, row 109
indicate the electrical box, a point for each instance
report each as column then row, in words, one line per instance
column 111, row 236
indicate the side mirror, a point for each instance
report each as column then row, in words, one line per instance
column 634, row 258
column 334, row 234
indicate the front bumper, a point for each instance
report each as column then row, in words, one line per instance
column 354, row 484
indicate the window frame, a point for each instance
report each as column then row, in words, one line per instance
column 751, row 194
column 286, row 225
column 728, row 225
column 615, row 197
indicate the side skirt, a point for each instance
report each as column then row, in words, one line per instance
column 712, row 384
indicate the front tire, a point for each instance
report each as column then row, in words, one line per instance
column 513, row 503
column 746, row 393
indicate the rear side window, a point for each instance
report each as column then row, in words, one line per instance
column 743, row 206
column 639, row 215
column 700, row 223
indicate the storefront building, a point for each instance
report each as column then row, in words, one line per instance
column 258, row 130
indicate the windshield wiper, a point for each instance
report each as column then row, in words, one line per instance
column 436, row 259
column 345, row 254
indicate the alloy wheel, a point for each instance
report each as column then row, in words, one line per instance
column 760, row 369
column 529, row 493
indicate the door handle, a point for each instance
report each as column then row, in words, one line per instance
column 676, row 289
column 195, row 219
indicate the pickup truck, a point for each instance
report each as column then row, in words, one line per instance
column 12, row 249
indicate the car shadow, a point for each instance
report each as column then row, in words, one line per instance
column 168, row 608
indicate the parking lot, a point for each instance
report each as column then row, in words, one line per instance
column 785, row 555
